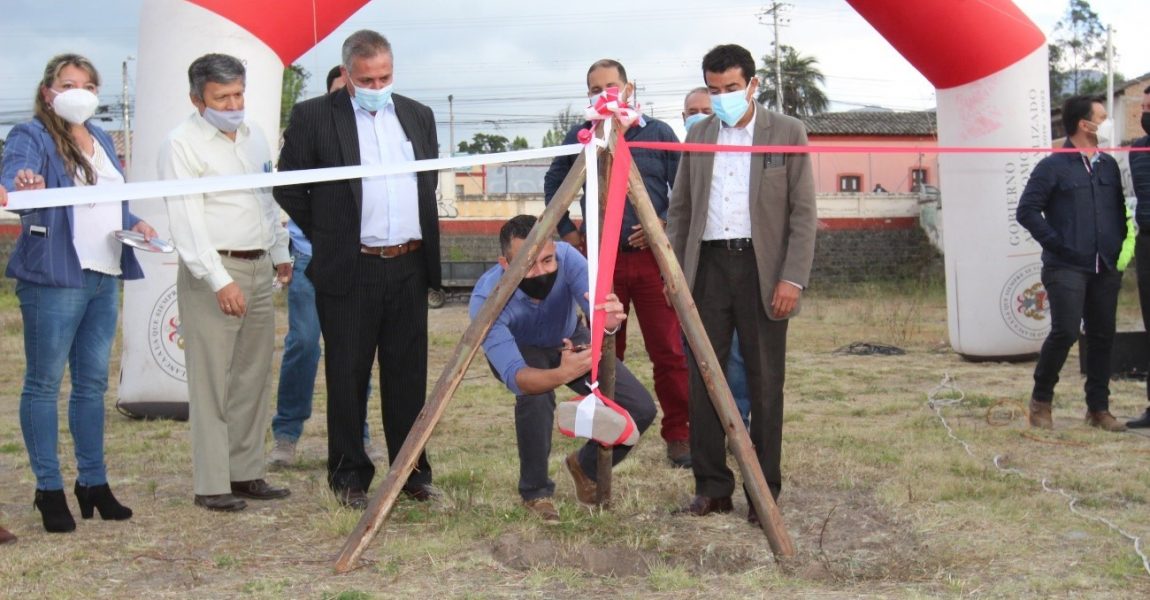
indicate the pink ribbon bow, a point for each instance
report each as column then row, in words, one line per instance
column 605, row 106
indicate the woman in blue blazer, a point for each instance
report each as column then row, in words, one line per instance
column 67, row 264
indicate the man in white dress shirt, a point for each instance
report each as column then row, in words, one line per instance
column 231, row 245
column 743, row 227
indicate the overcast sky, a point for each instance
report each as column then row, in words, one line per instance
column 511, row 64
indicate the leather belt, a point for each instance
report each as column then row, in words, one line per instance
column 630, row 248
column 243, row 254
column 737, row 244
column 391, row 251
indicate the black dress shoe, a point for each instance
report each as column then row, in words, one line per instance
column 421, row 492
column 753, row 515
column 1141, row 422
column 702, row 506
column 351, row 498
column 258, row 489
column 221, row 502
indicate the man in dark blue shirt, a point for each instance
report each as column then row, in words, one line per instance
column 1140, row 175
column 1073, row 207
column 537, row 344
column 637, row 278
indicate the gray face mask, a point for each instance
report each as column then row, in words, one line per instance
column 224, row 120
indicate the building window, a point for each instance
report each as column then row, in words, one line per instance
column 918, row 178
column 850, row 184
column 458, row 190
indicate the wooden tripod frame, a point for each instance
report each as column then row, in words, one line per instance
column 385, row 496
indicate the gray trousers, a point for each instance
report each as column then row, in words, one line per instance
column 229, row 362
column 727, row 293
column 535, row 419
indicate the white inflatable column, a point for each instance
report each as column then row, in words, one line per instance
column 173, row 33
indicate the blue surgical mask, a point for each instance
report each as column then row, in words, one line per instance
column 224, row 120
column 694, row 119
column 731, row 106
column 372, row 100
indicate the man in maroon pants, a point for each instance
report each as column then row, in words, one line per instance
column 637, row 277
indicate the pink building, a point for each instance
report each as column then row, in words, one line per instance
column 869, row 172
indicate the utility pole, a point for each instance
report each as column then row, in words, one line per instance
column 127, row 117
column 773, row 11
column 1110, row 77
column 451, row 117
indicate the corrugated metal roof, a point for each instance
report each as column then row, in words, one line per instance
column 920, row 123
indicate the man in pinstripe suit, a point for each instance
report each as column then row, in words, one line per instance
column 375, row 245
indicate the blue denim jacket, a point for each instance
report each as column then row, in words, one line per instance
column 48, row 257
column 1078, row 216
column 658, row 168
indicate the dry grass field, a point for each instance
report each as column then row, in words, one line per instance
column 880, row 501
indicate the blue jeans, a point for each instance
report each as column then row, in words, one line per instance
column 737, row 380
column 77, row 326
column 301, row 357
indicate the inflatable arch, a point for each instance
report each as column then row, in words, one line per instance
column 267, row 35
column 987, row 60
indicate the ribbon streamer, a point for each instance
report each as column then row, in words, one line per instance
column 816, row 149
column 147, row 190
column 601, row 258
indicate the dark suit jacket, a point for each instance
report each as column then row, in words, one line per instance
column 322, row 133
column 782, row 196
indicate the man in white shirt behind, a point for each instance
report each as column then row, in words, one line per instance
column 231, row 245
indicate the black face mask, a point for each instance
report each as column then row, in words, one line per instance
column 1146, row 122
column 539, row 286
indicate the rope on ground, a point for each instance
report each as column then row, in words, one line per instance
column 955, row 397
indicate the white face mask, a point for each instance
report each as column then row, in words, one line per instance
column 224, row 120
column 76, row 105
column 1105, row 134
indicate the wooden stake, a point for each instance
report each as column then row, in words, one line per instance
column 383, row 500
column 770, row 517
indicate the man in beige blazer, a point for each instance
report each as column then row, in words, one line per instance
column 743, row 227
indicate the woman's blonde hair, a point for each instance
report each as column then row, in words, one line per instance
column 57, row 127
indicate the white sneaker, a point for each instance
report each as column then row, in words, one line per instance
column 283, row 454
column 374, row 452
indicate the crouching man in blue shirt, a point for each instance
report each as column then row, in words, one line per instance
column 537, row 344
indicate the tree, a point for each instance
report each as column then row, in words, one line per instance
column 295, row 79
column 562, row 123
column 519, row 143
column 802, row 79
column 482, row 143
column 1079, row 47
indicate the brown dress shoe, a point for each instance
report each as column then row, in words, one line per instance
column 356, row 499
column 422, row 492
column 6, row 537
column 221, row 502
column 1040, row 414
column 586, row 491
column 679, row 453
column 702, row 506
column 544, row 509
column 1104, row 421
column 258, row 489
